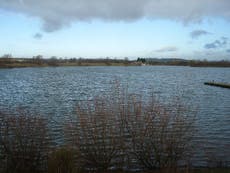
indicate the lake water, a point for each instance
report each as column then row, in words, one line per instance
column 54, row 92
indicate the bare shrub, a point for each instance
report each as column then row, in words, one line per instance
column 124, row 129
column 24, row 142
column 96, row 135
column 61, row 161
column 161, row 137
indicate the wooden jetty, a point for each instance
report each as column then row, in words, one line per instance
column 223, row 85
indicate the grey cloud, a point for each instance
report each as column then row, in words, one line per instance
column 167, row 49
column 60, row 13
column 223, row 41
column 38, row 36
column 50, row 26
column 197, row 33
column 210, row 45
column 228, row 50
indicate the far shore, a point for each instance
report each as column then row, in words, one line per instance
column 9, row 62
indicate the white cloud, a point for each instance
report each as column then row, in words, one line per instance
column 59, row 13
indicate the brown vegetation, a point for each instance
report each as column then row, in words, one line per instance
column 23, row 142
column 120, row 132
column 96, row 135
column 160, row 138
column 125, row 130
column 62, row 160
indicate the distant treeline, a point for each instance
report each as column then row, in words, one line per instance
column 183, row 62
column 7, row 61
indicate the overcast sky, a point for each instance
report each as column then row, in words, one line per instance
column 191, row 29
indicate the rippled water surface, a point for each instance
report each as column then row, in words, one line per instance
column 54, row 92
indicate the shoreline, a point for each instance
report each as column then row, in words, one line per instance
column 54, row 62
column 10, row 66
